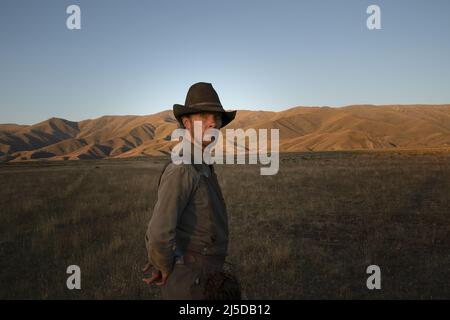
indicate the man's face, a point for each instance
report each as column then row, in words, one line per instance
column 207, row 119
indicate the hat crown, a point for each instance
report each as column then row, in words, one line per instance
column 202, row 92
column 202, row 97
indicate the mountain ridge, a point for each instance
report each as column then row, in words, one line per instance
column 301, row 129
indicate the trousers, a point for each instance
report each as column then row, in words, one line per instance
column 189, row 277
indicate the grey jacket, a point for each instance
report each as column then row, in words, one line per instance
column 190, row 215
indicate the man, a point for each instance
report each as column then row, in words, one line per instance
column 187, row 237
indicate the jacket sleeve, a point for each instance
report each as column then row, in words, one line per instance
column 174, row 192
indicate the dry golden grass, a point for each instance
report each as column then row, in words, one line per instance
column 308, row 232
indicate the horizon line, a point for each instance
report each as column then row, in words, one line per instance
column 253, row 110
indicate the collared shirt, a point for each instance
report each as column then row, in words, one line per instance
column 190, row 215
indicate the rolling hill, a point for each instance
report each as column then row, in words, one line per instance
column 301, row 129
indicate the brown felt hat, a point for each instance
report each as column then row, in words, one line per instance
column 202, row 97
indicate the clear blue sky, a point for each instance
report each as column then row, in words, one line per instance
column 140, row 57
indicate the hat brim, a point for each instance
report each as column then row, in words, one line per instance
column 180, row 110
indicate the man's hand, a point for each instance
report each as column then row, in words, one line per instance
column 159, row 278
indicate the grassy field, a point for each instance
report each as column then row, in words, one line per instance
column 308, row 232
